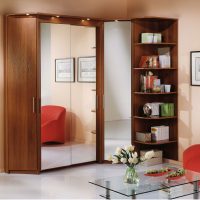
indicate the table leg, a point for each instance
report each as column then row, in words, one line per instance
column 107, row 190
column 196, row 189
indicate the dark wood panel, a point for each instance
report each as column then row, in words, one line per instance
column 21, row 85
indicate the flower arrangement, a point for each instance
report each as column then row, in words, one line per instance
column 129, row 157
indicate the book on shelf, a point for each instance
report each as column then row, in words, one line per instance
column 149, row 62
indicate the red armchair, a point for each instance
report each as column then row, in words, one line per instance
column 191, row 158
column 53, row 127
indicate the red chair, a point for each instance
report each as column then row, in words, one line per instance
column 53, row 127
column 191, row 158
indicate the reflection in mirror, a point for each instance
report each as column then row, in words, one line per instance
column 55, row 95
column 117, row 85
column 68, row 95
column 83, row 95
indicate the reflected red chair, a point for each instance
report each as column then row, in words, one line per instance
column 53, row 127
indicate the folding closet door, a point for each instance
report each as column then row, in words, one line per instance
column 21, row 95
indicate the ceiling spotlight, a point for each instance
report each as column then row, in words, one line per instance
column 88, row 19
column 116, row 20
column 82, row 20
column 57, row 16
column 27, row 14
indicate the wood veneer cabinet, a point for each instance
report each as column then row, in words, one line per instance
column 169, row 30
column 23, row 88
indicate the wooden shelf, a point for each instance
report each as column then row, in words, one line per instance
column 155, row 93
column 157, row 143
column 156, row 44
column 154, row 118
column 149, row 69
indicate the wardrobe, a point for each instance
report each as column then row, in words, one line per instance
column 23, row 87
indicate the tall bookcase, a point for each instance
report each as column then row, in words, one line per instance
column 169, row 30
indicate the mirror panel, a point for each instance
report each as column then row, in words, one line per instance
column 83, row 95
column 55, row 95
column 117, row 85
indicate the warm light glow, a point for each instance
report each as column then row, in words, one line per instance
column 88, row 19
column 57, row 16
column 116, row 20
column 27, row 14
column 82, row 20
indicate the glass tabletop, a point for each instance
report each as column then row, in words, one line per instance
column 146, row 183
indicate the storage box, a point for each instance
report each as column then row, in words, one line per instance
column 156, row 160
column 167, row 110
column 151, row 38
column 143, row 137
column 159, row 133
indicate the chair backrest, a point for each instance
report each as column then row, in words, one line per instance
column 51, row 112
column 191, row 158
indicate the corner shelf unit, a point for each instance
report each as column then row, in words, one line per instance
column 168, row 28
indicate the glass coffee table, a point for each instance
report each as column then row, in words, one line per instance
column 171, row 189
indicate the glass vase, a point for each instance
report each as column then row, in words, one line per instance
column 131, row 176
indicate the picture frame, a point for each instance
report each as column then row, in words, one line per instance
column 195, row 68
column 65, row 70
column 87, row 69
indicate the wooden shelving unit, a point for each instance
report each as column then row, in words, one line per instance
column 168, row 27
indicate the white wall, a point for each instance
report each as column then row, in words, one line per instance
column 117, row 72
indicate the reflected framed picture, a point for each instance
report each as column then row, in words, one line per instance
column 65, row 70
column 87, row 69
column 195, row 68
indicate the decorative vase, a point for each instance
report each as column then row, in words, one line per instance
column 131, row 176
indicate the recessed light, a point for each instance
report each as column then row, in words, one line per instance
column 82, row 20
column 88, row 19
column 116, row 20
column 57, row 16
column 27, row 14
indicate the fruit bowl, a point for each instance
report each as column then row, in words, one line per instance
column 157, row 172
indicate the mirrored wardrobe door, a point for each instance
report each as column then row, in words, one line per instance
column 83, row 95
column 117, row 86
column 57, row 74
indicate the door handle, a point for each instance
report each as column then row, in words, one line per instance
column 33, row 104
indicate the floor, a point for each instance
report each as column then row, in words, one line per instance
column 58, row 155
column 70, row 183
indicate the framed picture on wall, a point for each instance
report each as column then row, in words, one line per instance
column 195, row 68
column 65, row 70
column 87, row 69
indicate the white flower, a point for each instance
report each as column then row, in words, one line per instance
column 134, row 155
column 149, row 154
column 118, row 151
column 135, row 161
column 110, row 158
column 131, row 160
column 129, row 148
column 115, row 160
column 123, row 160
